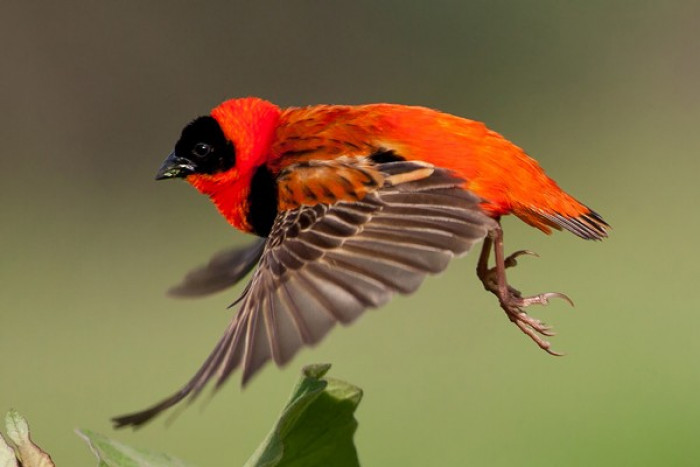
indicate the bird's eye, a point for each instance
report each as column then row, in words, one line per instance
column 201, row 150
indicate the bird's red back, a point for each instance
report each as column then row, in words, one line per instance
column 495, row 169
column 498, row 171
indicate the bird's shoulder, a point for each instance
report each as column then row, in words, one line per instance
column 322, row 132
column 327, row 181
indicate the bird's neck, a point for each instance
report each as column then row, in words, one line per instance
column 231, row 198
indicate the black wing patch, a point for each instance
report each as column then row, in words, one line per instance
column 324, row 264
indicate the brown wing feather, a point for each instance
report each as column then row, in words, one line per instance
column 327, row 263
column 225, row 269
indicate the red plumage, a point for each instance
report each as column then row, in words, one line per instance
column 354, row 204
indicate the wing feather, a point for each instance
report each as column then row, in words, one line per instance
column 225, row 269
column 326, row 263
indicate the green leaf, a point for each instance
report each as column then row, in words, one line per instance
column 316, row 427
column 29, row 453
column 112, row 453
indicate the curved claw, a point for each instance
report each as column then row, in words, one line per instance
column 560, row 295
column 511, row 260
column 543, row 299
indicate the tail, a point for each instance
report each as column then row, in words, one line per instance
column 585, row 223
column 589, row 225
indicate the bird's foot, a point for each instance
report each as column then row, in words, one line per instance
column 514, row 304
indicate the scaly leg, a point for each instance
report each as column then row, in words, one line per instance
column 511, row 300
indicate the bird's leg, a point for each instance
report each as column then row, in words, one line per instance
column 511, row 300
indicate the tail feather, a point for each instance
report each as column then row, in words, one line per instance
column 589, row 225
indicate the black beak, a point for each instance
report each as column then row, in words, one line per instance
column 175, row 167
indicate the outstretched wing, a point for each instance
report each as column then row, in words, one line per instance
column 350, row 236
column 225, row 269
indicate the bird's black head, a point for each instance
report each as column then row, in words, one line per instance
column 201, row 149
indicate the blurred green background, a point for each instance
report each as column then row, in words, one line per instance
column 603, row 94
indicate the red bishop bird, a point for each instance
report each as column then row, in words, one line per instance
column 352, row 205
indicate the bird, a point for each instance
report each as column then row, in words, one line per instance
column 352, row 205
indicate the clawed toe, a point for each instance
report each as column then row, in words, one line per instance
column 543, row 344
column 511, row 260
column 518, row 315
column 490, row 275
column 514, row 306
column 543, row 299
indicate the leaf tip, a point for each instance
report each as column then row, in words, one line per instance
column 316, row 370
